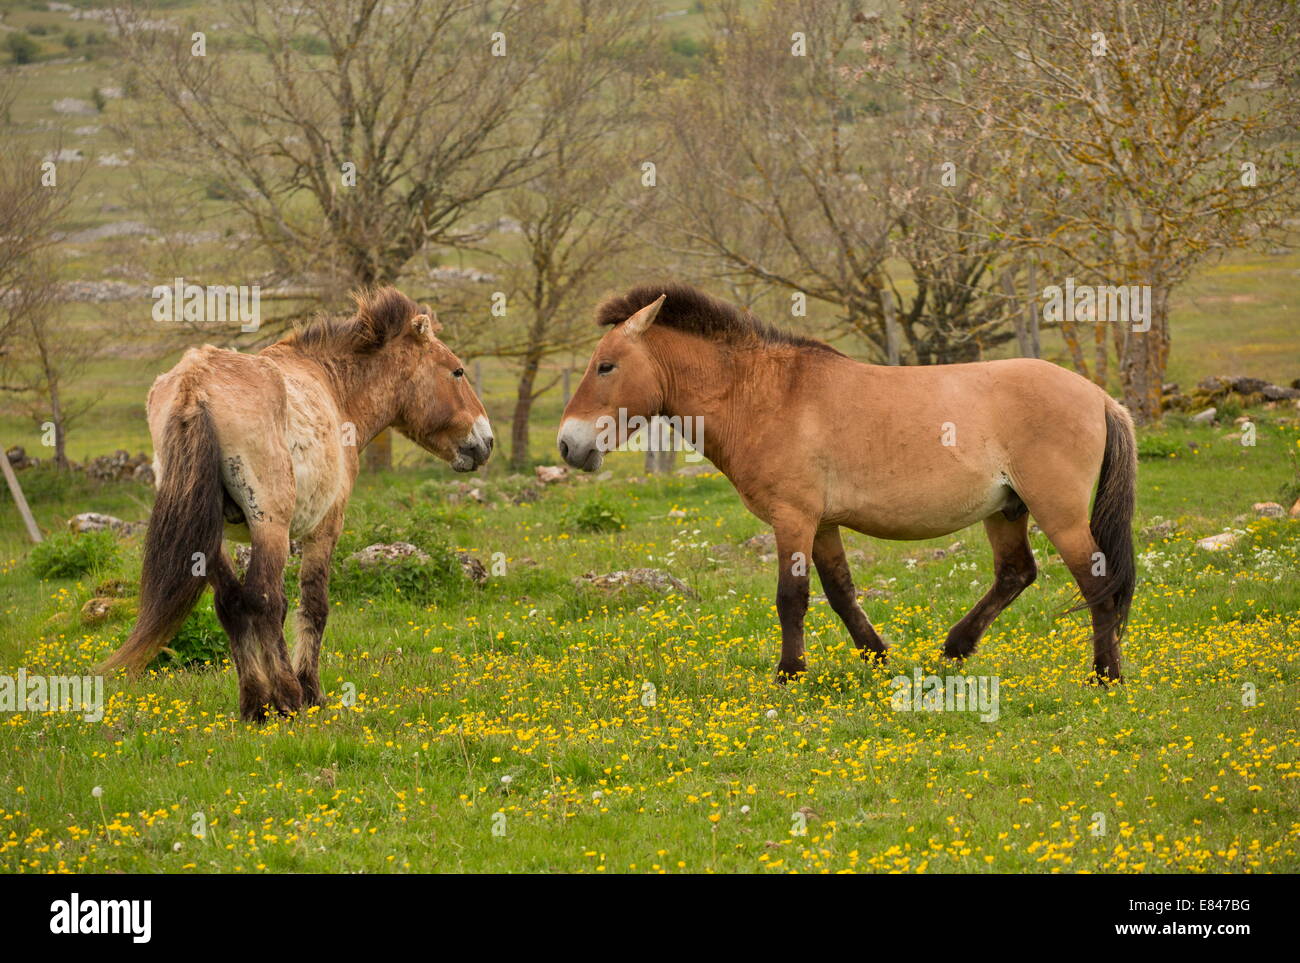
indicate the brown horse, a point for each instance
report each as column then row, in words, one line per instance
column 264, row 447
column 813, row 440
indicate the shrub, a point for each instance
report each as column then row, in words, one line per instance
column 200, row 639
column 68, row 556
column 21, row 47
column 218, row 190
column 1157, row 446
column 1290, row 489
column 596, row 515
column 436, row 580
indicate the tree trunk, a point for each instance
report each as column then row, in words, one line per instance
column 56, row 415
column 378, row 455
column 1143, row 368
column 51, row 374
column 519, row 456
column 1101, row 359
column 660, row 454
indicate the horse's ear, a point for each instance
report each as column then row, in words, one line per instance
column 426, row 325
column 635, row 326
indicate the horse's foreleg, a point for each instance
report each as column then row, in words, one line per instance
column 313, row 605
column 1014, row 571
column 837, row 581
column 794, row 538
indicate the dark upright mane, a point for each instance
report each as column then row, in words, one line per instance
column 382, row 314
column 689, row 309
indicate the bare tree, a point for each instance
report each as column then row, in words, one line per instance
column 38, row 354
column 571, row 221
column 365, row 130
column 797, row 169
column 1167, row 127
column 45, row 356
column 356, row 132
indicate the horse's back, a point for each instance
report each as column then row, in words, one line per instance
column 273, row 428
column 915, row 452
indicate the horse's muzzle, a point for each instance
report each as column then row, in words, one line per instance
column 476, row 449
column 577, row 443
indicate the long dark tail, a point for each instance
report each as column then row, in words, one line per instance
column 1112, row 512
column 187, row 518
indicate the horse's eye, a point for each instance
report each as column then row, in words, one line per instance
column 605, row 367
column 458, row 373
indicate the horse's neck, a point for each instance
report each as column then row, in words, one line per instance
column 726, row 389
column 364, row 391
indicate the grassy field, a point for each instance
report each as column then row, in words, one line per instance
column 526, row 697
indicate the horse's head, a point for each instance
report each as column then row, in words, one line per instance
column 425, row 394
column 437, row 407
column 622, row 383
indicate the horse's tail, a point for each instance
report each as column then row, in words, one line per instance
column 187, row 518
column 1112, row 512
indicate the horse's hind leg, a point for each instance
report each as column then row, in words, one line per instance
column 837, row 582
column 1014, row 571
column 228, row 600
column 313, row 604
column 253, row 617
column 264, row 593
column 1081, row 555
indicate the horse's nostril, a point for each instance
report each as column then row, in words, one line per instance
column 564, row 449
column 490, row 442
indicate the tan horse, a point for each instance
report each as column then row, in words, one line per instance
column 813, row 440
column 265, row 448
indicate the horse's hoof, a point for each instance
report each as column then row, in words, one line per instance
column 313, row 698
column 788, row 672
column 256, row 715
column 1098, row 679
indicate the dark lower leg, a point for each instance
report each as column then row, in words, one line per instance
column 313, row 610
column 1105, row 643
column 313, row 605
column 233, row 614
column 837, row 582
column 269, row 679
column 1088, row 566
column 1014, row 571
column 792, row 550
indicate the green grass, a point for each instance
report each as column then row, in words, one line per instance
column 433, row 702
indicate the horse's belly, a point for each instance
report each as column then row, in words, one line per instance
column 317, row 483
column 315, row 448
column 923, row 511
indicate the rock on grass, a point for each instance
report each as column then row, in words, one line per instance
column 651, row 578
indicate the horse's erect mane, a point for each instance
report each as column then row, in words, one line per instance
column 689, row 309
column 382, row 314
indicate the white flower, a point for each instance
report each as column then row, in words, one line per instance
column 507, row 780
column 744, row 810
column 771, row 713
column 97, row 791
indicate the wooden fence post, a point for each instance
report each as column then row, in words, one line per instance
column 16, row 490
